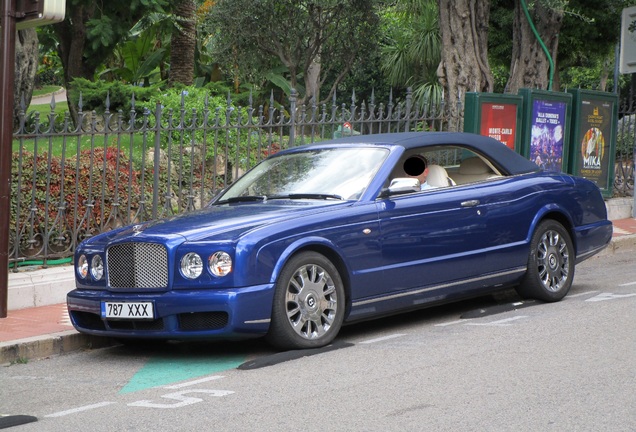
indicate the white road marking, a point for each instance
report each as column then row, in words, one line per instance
column 79, row 409
column 627, row 284
column 579, row 294
column 195, row 382
column 609, row 296
column 381, row 339
column 181, row 398
column 503, row 322
column 452, row 323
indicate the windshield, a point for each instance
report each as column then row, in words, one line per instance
column 333, row 173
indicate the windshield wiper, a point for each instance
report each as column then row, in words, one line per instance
column 306, row 196
column 244, row 198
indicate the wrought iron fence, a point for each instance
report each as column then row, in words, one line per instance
column 115, row 168
column 625, row 147
column 73, row 180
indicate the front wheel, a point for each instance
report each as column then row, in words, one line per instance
column 309, row 303
column 550, row 263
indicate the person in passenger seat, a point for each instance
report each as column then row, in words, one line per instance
column 417, row 166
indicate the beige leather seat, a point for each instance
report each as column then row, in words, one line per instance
column 473, row 169
column 438, row 177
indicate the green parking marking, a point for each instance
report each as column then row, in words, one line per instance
column 166, row 370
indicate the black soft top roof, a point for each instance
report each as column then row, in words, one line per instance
column 489, row 147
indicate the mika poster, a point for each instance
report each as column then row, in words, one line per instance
column 546, row 140
column 595, row 132
column 499, row 121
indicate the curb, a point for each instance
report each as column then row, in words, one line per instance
column 620, row 244
column 48, row 345
column 40, row 287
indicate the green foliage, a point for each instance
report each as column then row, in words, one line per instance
column 51, row 185
column 252, row 39
column 49, row 70
column 95, row 93
column 141, row 61
column 101, row 32
column 587, row 37
column 625, row 138
column 188, row 145
column 411, row 50
column 500, row 77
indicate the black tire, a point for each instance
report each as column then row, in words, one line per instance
column 309, row 303
column 550, row 263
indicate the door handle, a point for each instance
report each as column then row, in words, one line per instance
column 470, row 203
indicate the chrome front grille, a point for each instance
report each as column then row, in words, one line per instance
column 137, row 265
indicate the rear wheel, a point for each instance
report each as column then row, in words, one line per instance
column 550, row 263
column 309, row 303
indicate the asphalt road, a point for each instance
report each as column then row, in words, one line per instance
column 480, row 365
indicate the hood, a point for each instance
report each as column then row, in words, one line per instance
column 223, row 222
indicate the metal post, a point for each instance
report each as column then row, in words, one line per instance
column 7, row 73
column 633, row 174
column 156, row 162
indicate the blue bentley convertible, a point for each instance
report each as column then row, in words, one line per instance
column 325, row 234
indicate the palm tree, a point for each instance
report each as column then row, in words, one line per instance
column 411, row 53
column 183, row 43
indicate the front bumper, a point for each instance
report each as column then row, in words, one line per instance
column 189, row 314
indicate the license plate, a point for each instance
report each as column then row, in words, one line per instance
column 128, row 310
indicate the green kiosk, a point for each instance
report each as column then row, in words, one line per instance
column 546, row 128
column 593, row 143
column 498, row 116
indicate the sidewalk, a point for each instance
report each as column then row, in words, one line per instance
column 42, row 331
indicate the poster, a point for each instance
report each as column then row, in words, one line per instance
column 499, row 121
column 595, row 134
column 547, row 134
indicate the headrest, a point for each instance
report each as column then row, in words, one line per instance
column 473, row 165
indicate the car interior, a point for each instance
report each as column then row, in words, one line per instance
column 450, row 167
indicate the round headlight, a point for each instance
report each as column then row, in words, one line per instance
column 82, row 266
column 191, row 265
column 220, row 263
column 97, row 267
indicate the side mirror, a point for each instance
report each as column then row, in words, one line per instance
column 402, row 185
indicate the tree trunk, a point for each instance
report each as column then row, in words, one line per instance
column 464, row 66
column 312, row 81
column 530, row 66
column 26, row 66
column 183, row 44
column 71, row 34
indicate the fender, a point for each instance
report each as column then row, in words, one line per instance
column 551, row 208
column 305, row 243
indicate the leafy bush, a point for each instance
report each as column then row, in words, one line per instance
column 189, row 145
column 102, row 178
column 95, row 93
column 625, row 137
column 80, row 194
